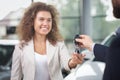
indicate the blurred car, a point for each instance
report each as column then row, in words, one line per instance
column 6, row 50
column 92, row 69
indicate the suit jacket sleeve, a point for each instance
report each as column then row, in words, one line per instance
column 16, row 72
column 100, row 52
column 112, row 69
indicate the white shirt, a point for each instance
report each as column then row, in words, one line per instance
column 41, row 66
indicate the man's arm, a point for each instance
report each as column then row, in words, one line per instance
column 100, row 52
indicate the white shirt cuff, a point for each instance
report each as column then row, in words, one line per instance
column 93, row 47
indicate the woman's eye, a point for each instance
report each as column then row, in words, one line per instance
column 49, row 20
column 41, row 19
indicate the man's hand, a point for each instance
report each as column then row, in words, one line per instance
column 85, row 42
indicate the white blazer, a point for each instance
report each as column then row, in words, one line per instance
column 23, row 62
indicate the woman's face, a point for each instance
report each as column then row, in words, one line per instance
column 43, row 23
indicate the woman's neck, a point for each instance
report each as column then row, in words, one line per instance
column 39, row 39
column 40, row 44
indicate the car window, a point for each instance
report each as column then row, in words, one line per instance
column 5, row 53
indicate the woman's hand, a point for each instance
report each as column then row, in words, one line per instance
column 76, row 59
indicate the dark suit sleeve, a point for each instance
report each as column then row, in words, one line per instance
column 112, row 70
column 100, row 52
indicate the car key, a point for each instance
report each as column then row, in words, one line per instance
column 77, row 49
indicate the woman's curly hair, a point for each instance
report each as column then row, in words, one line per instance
column 25, row 28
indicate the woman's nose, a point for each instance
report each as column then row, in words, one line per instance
column 45, row 22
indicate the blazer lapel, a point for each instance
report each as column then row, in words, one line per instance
column 30, row 55
column 50, row 51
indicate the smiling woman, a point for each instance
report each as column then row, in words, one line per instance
column 42, row 51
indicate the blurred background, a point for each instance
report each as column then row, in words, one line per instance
column 91, row 17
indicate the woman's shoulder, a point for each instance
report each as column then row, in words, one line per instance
column 61, row 43
column 21, row 44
